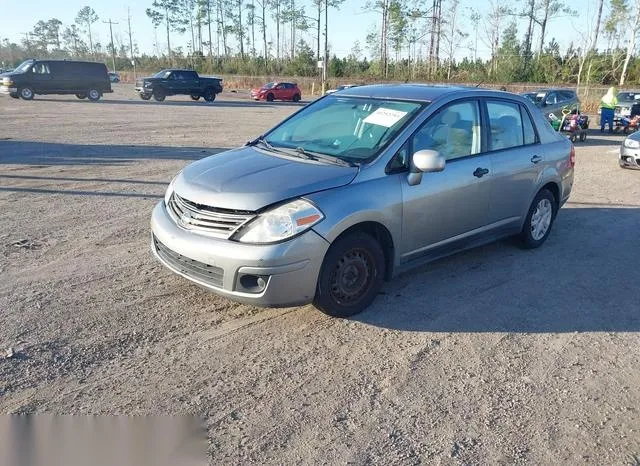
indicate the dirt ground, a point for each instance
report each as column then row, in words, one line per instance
column 493, row 356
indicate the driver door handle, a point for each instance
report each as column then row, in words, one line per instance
column 480, row 172
column 536, row 159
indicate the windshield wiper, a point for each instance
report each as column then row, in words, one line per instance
column 318, row 156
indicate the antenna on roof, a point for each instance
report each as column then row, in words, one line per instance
column 481, row 82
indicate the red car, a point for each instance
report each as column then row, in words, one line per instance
column 277, row 91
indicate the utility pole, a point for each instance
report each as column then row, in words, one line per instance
column 133, row 57
column 113, row 46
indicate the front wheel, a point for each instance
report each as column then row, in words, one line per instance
column 195, row 97
column 540, row 217
column 81, row 96
column 159, row 95
column 93, row 95
column 270, row 97
column 351, row 275
column 26, row 93
column 145, row 96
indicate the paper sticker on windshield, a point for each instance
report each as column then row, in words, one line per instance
column 385, row 117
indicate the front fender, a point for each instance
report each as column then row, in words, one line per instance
column 376, row 200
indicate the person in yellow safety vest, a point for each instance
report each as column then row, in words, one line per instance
column 608, row 105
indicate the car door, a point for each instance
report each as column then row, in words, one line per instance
column 448, row 206
column 516, row 159
column 171, row 82
column 191, row 82
column 279, row 91
column 41, row 78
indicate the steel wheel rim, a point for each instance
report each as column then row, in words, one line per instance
column 94, row 94
column 352, row 276
column 26, row 93
column 541, row 219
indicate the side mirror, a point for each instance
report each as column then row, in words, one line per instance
column 428, row 161
column 425, row 161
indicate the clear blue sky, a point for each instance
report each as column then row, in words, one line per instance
column 346, row 26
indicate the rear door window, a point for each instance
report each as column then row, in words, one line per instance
column 505, row 124
column 528, row 130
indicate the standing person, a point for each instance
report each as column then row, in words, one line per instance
column 607, row 108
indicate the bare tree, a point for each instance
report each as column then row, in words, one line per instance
column 550, row 10
column 632, row 29
column 493, row 29
column 169, row 12
column 85, row 18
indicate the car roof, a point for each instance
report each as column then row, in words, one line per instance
column 417, row 92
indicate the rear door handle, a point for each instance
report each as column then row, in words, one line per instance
column 536, row 159
column 480, row 172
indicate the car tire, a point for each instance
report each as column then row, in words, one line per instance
column 81, row 96
column 93, row 95
column 209, row 94
column 26, row 93
column 145, row 96
column 14, row 96
column 159, row 95
column 539, row 220
column 195, row 97
column 351, row 276
column 270, row 97
column 296, row 98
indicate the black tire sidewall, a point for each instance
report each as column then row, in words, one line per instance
column 195, row 97
column 323, row 299
column 91, row 98
column 270, row 98
column 145, row 96
column 22, row 89
column 159, row 95
column 209, row 95
column 527, row 240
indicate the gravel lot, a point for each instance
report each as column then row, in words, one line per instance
column 493, row 356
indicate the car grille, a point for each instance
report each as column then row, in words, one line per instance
column 220, row 223
column 199, row 271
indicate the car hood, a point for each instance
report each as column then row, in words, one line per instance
column 249, row 179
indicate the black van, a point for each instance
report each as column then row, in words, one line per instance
column 82, row 78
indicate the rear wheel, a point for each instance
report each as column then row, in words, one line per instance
column 296, row 98
column 195, row 97
column 351, row 275
column 81, row 96
column 209, row 95
column 93, row 95
column 269, row 97
column 540, row 217
column 159, row 95
column 26, row 93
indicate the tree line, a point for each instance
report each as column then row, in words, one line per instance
column 412, row 40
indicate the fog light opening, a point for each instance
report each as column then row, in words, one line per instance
column 252, row 283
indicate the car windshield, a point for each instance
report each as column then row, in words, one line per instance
column 162, row 74
column 24, row 66
column 535, row 97
column 268, row 85
column 349, row 128
column 628, row 96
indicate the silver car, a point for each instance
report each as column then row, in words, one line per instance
column 359, row 186
column 630, row 151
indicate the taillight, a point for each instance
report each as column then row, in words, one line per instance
column 572, row 156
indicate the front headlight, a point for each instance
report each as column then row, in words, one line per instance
column 631, row 143
column 281, row 223
column 169, row 192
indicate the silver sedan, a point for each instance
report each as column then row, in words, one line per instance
column 359, row 186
